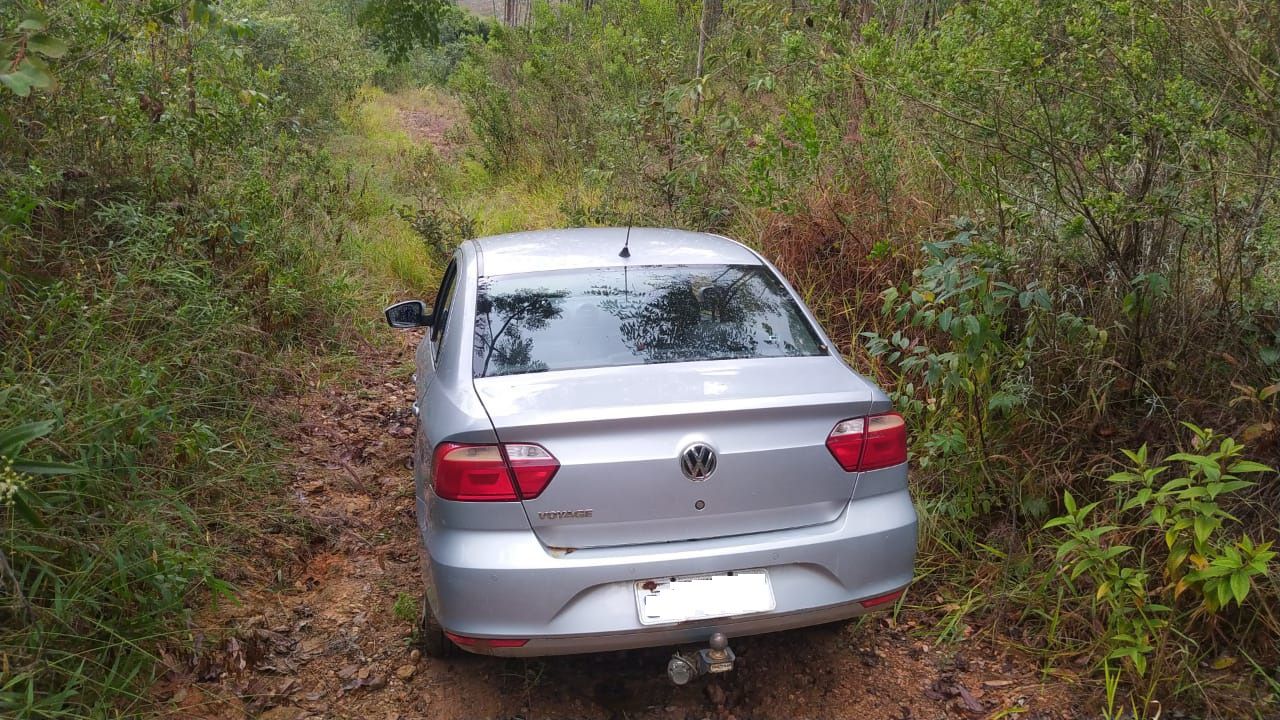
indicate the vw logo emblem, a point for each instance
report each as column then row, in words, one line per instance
column 698, row 461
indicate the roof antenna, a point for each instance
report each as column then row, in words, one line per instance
column 626, row 251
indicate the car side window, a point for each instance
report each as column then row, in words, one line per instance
column 444, row 301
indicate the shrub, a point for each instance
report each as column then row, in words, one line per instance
column 1157, row 563
column 157, row 258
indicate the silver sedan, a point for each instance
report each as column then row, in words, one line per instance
column 641, row 437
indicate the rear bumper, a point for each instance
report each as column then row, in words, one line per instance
column 505, row 584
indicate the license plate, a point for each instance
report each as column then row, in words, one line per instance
column 698, row 597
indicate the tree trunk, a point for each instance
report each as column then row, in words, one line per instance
column 189, row 56
column 702, row 43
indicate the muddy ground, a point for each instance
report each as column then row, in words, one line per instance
column 316, row 632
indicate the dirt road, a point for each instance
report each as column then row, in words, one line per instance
column 317, row 633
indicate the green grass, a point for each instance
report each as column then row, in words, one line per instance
column 148, row 367
column 406, row 608
column 385, row 170
column 158, row 327
column 391, row 174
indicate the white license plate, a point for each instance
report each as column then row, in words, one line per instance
column 697, row 597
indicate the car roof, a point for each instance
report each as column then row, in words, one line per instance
column 576, row 248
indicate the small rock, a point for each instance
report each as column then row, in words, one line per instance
column 404, row 672
column 415, row 655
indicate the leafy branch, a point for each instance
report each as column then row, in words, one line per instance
column 26, row 53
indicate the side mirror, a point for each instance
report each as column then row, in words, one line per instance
column 408, row 314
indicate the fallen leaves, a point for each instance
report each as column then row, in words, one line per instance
column 373, row 682
column 948, row 686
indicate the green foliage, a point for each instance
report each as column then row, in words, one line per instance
column 397, row 27
column 985, row 329
column 25, row 55
column 162, row 209
column 490, row 112
column 406, row 608
column 1156, row 557
column 606, row 94
column 434, row 60
column 1072, row 125
column 1188, row 510
column 1119, row 268
column 964, row 340
column 15, row 472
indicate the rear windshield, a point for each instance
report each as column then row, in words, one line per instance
column 609, row 317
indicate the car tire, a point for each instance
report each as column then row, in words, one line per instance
column 431, row 637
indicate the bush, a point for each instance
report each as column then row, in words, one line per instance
column 1157, row 565
column 1114, row 267
column 158, row 256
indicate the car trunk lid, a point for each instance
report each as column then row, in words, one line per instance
column 619, row 434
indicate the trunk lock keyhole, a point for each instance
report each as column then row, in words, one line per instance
column 699, row 505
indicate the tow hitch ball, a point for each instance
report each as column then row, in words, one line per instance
column 715, row 659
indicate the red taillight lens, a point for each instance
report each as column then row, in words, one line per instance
column 471, row 473
column 881, row 599
column 869, row 443
column 481, row 643
column 534, row 467
column 886, row 442
column 845, row 442
column 478, row 473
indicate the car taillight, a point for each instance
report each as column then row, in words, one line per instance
column 479, row 473
column 870, row 443
column 534, row 467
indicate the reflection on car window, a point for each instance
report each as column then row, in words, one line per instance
column 629, row 316
column 444, row 300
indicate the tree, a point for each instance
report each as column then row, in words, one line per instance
column 399, row 26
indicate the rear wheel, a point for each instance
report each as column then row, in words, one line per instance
column 431, row 636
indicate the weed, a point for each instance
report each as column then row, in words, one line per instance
column 405, row 608
column 1158, row 563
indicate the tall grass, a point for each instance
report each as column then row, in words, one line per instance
column 165, row 266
